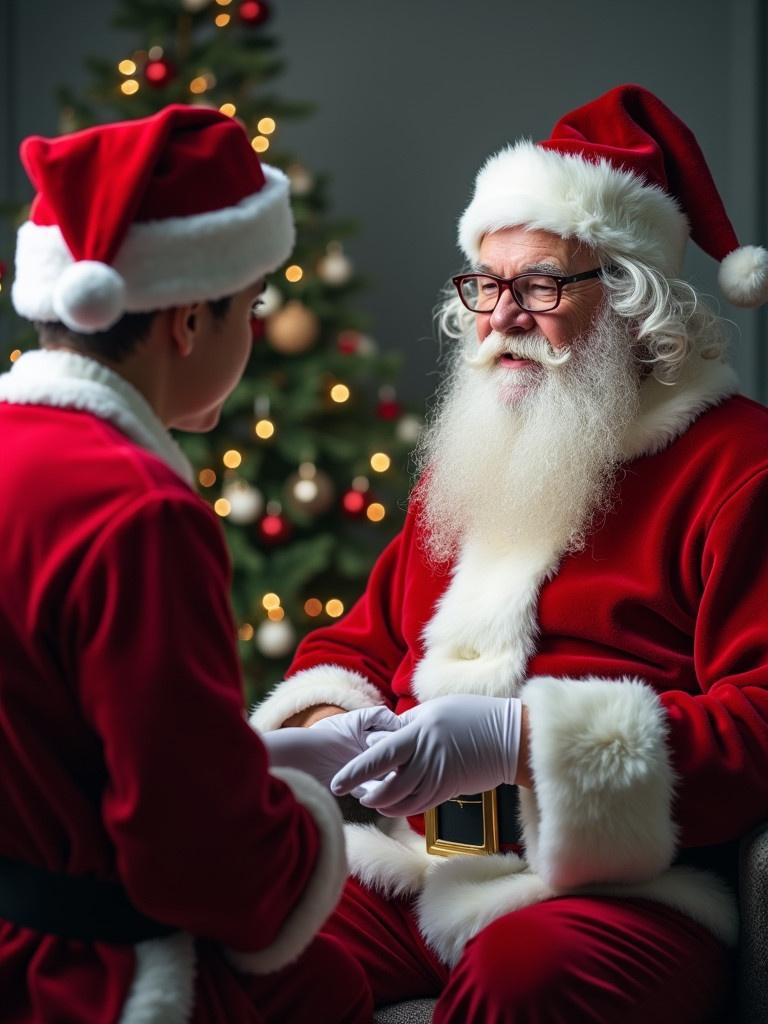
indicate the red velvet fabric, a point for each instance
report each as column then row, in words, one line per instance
column 564, row 961
column 179, row 162
column 633, row 130
column 124, row 750
column 326, row 985
column 671, row 590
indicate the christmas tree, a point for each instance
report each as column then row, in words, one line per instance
column 306, row 468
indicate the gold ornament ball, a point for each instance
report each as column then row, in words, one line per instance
column 292, row 329
column 310, row 491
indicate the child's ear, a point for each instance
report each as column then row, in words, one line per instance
column 183, row 326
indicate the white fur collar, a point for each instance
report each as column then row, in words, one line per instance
column 667, row 410
column 67, row 380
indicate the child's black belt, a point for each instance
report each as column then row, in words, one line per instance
column 72, row 907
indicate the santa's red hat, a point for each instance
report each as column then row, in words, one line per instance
column 146, row 214
column 626, row 176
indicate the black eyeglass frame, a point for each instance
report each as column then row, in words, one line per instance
column 509, row 282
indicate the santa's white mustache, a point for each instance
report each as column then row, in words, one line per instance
column 525, row 346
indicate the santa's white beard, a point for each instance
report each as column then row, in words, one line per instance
column 528, row 457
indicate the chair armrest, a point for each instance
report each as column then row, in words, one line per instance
column 413, row 1011
column 753, row 939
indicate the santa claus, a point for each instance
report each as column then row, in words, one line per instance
column 570, row 630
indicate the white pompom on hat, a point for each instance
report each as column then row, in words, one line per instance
column 147, row 214
column 626, row 176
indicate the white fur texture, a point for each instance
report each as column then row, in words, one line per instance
column 323, row 684
column 603, row 206
column 169, row 262
column 459, row 896
column 67, row 380
column 666, row 411
column 743, row 276
column 465, row 894
column 388, row 856
column 601, row 807
column 89, row 297
column 323, row 889
column 163, row 986
column 699, row 894
column 484, row 630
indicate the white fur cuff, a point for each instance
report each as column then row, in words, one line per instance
column 323, row 684
column 323, row 889
column 600, row 810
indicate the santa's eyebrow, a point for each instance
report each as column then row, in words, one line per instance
column 530, row 268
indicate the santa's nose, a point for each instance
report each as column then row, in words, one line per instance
column 508, row 317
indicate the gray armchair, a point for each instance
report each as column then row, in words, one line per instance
column 753, row 945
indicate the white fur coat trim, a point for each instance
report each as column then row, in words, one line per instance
column 456, row 897
column 67, row 380
column 169, row 262
column 610, row 209
column 601, row 806
column 483, row 631
column 666, row 411
column 163, row 986
column 323, row 684
column 389, row 856
column 323, row 889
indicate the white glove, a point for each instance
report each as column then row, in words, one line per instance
column 448, row 746
column 329, row 744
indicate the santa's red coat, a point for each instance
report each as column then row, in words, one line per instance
column 124, row 750
column 643, row 660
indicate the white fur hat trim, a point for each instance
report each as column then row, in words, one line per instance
column 610, row 209
column 162, row 263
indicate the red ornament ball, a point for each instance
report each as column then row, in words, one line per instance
column 254, row 12
column 388, row 409
column 158, row 73
column 3, row 269
column 355, row 503
column 274, row 529
column 348, row 342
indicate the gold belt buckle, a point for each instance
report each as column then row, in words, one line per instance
column 447, row 847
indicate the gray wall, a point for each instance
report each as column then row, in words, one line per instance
column 413, row 94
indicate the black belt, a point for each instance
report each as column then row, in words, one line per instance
column 89, row 909
column 479, row 823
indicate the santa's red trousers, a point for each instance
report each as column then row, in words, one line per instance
column 565, row 961
column 324, row 986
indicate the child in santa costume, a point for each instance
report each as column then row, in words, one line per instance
column 574, row 614
column 151, row 868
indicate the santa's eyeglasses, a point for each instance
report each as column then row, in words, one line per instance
column 535, row 293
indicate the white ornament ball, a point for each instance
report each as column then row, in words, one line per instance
column 409, row 429
column 270, row 300
column 275, row 639
column 334, row 268
column 366, row 346
column 194, row 5
column 246, row 503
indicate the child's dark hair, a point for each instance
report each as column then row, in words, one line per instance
column 120, row 340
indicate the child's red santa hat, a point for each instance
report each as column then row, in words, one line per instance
column 146, row 214
column 626, row 176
